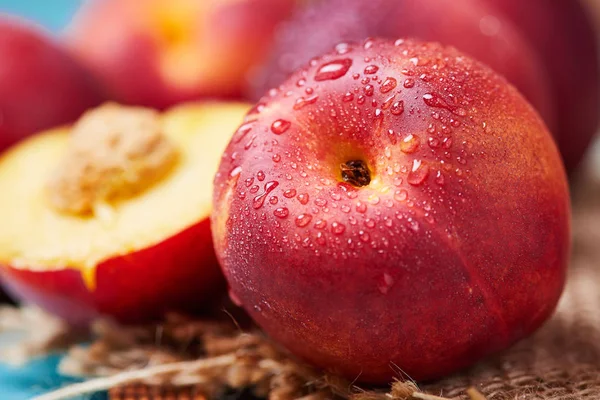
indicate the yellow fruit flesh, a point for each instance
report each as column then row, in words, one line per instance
column 36, row 236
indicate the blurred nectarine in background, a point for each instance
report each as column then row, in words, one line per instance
column 158, row 53
column 41, row 85
column 111, row 216
column 563, row 35
column 394, row 206
column 548, row 50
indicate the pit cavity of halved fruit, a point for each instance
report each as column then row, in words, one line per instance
column 110, row 216
column 114, row 152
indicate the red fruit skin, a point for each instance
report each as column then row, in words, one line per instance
column 423, row 271
column 563, row 34
column 41, row 85
column 123, row 42
column 465, row 24
column 185, row 275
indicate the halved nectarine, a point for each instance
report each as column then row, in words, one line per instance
column 110, row 216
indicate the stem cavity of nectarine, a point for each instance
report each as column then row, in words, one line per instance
column 115, row 152
column 356, row 173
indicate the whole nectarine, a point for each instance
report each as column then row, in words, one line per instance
column 393, row 207
column 41, row 85
column 158, row 53
column 110, row 217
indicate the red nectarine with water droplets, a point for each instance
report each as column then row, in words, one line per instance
column 395, row 206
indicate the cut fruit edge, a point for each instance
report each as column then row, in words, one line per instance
column 37, row 237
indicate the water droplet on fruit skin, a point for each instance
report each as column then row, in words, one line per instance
column 276, row 158
column 369, row 90
column 260, row 175
column 320, row 224
column 435, row 100
column 254, row 189
column 348, row 97
column 333, row 70
column 337, row 228
column 401, row 195
column 235, row 172
column 301, row 102
column 302, row 220
column 260, row 199
column 371, row 69
column 289, row 193
column 303, row 198
column 273, row 200
column 388, row 85
column 321, row 238
column 361, row 207
column 250, row 142
column 418, row 173
column 439, row 178
column 434, row 143
column 397, row 108
column 387, row 152
column 343, row 48
column 280, row 126
column 409, row 144
column 409, row 83
column 242, row 131
column 320, row 202
column 281, row 212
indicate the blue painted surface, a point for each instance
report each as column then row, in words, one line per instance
column 52, row 14
column 37, row 377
